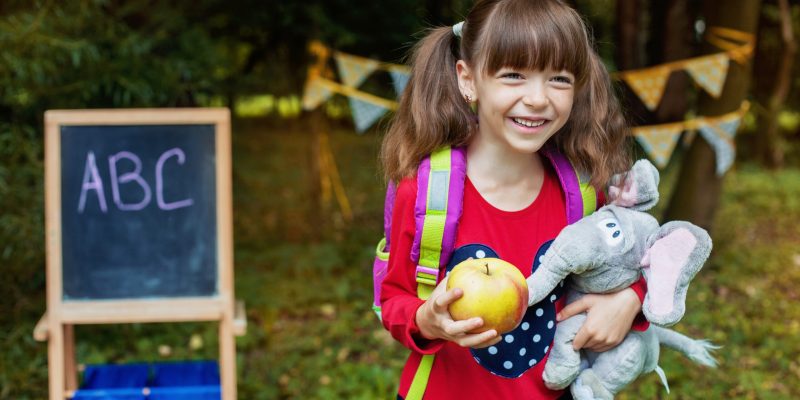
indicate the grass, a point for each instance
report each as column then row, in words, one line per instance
column 306, row 282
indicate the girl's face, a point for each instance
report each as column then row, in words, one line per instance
column 519, row 109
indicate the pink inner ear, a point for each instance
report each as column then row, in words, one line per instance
column 668, row 256
column 625, row 197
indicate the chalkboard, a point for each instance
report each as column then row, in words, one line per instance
column 138, row 211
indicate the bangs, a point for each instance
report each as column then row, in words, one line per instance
column 532, row 35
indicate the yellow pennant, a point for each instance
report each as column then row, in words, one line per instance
column 709, row 72
column 314, row 94
column 659, row 141
column 648, row 84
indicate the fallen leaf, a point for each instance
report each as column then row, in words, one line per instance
column 324, row 380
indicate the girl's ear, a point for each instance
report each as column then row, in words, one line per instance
column 466, row 80
column 675, row 253
column 636, row 189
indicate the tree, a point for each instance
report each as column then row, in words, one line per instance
column 772, row 78
column 696, row 194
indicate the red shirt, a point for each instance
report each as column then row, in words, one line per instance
column 513, row 367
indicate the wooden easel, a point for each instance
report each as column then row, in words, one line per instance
column 56, row 325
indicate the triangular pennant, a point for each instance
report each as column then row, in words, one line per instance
column 720, row 136
column 659, row 141
column 710, row 72
column 314, row 94
column 399, row 79
column 648, row 84
column 354, row 69
column 365, row 114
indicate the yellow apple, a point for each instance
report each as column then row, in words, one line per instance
column 494, row 290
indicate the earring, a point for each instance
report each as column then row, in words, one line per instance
column 473, row 104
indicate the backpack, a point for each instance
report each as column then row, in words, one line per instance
column 441, row 177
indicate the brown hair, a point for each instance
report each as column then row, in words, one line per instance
column 520, row 34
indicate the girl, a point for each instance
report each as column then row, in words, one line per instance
column 528, row 70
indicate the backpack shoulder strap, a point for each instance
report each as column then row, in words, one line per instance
column 580, row 196
column 440, row 196
column 440, row 193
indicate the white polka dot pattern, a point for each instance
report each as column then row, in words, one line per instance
column 518, row 349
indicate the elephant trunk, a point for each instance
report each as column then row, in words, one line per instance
column 552, row 270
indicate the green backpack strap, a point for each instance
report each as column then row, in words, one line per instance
column 588, row 194
column 441, row 178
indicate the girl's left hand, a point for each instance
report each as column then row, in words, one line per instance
column 608, row 320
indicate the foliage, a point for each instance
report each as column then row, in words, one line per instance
column 306, row 283
column 312, row 334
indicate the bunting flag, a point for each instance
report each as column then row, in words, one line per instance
column 659, row 141
column 399, row 79
column 720, row 135
column 353, row 69
column 365, row 114
column 314, row 94
column 709, row 72
column 648, row 84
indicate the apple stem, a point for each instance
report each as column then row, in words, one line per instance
column 487, row 268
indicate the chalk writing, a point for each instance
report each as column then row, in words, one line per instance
column 92, row 182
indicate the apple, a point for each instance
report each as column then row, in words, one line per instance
column 494, row 290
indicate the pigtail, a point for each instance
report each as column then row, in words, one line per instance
column 431, row 112
column 594, row 138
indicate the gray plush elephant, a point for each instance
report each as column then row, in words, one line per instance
column 606, row 252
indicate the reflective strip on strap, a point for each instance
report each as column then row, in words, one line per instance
column 420, row 382
column 436, row 212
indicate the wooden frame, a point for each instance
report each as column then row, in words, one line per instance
column 56, row 324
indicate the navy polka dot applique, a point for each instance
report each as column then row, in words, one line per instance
column 528, row 343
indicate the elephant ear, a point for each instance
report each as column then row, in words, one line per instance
column 636, row 189
column 675, row 254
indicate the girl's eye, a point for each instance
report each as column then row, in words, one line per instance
column 511, row 75
column 562, row 79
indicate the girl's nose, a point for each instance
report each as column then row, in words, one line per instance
column 535, row 100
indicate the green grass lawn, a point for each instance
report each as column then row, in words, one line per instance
column 307, row 287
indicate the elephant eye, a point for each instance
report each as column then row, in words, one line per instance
column 611, row 231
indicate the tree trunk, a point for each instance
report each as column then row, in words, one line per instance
column 629, row 53
column 696, row 194
column 675, row 20
column 768, row 142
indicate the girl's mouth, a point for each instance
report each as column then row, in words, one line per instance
column 528, row 123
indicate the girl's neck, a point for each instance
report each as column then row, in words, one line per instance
column 507, row 179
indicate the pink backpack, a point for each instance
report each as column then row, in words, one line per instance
column 441, row 177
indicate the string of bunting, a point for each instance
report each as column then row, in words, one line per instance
column 709, row 72
column 659, row 141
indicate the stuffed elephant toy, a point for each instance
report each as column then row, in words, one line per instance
column 607, row 252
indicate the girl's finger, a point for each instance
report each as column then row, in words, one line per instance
column 479, row 338
column 574, row 308
column 491, row 342
column 442, row 302
column 580, row 338
column 458, row 328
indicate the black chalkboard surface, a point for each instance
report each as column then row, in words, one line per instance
column 138, row 211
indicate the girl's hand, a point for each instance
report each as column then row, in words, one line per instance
column 608, row 320
column 435, row 322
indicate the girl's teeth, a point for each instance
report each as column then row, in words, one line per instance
column 529, row 123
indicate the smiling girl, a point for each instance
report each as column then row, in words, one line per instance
column 516, row 80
